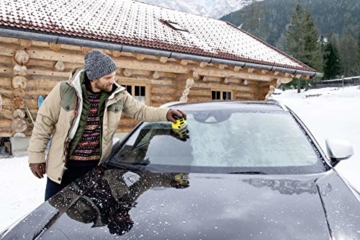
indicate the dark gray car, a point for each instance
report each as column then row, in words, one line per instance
column 238, row 170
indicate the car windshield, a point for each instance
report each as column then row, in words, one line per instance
column 224, row 141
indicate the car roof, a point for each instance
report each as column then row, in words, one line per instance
column 269, row 105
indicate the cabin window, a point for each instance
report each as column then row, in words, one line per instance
column 221, row 95
column 138, row 92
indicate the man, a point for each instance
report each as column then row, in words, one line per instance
column 80, row 117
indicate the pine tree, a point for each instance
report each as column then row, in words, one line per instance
column 331, row 58
column 348, row 54
column 300, row 39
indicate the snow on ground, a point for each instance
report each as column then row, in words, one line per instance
column 20, row 191
column 333, row 114
column 328, row 113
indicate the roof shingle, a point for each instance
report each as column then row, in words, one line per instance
column 138, row 24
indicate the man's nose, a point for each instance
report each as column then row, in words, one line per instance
column 112, row 80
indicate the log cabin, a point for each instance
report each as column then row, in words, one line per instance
column 162, row 55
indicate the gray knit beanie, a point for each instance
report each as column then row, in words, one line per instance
column 98, row 64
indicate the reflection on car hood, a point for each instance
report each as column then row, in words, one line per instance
column 121, row 204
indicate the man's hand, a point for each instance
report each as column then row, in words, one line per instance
column 172, row 112
column 38, row 169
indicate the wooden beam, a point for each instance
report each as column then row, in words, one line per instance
column 183, row 62
column 5, row 123
column 232, row 74
column 19, row 82
column 209, row 85
column 42, row 72
column 156, row 75
column 25, row 43
column 21, row 57
column 55, row 47
column 34, row 93
column 200, row 92
column 267, row 84
column 237, row 68
column 203, row 64
column 18, row 92
column 19, row 135
column 63, row 55
column 85, row 49
column 42, row 83
column 199, row 98
column 264, row 71
column 195, row 74
column 284, row 80
column 163, row 59
column 20, row 70
column 18, row 113
column 72, row 57
column 162, row 98
column 276, row 73
column 19, row 102
column 163, row 90
column 59, row 66
column 245, row 96
column 5, row 82
column 140, row 57
column 115, row 53
column 19, row 125
column 289, row 75
column 204, row 78
column 222, row 66
column 162, row 82
column 127, row 72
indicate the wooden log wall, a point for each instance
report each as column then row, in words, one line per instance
column 29, row 69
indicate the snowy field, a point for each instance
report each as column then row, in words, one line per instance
column 333, row 114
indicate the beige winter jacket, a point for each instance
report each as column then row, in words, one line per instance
column 58, row 120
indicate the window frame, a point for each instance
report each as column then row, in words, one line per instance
column 221, row 94
column 136, row 83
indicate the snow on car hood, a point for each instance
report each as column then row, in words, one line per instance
column 121, row 204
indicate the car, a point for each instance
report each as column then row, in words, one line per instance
column 231, row 170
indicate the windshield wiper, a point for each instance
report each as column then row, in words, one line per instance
column 137, row 166
column 129, row 166
column 249, row 172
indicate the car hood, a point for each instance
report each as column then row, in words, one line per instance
column 123, row 204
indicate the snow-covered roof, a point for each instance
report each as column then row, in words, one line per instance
column 139, row 24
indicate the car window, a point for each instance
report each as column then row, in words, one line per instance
column 224, row 139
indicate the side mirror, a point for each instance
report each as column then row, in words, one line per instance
column 338, row 150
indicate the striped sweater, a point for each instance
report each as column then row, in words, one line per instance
column 88, row 147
